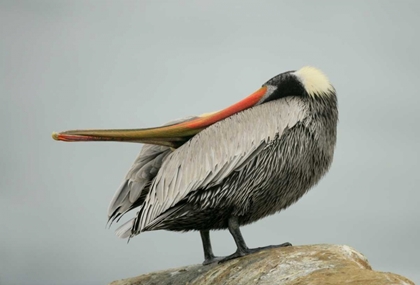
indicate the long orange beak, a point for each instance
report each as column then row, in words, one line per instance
column 170, row 135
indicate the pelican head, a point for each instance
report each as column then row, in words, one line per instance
column 307, row 81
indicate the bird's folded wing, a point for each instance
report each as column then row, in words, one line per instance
column 211, row 155
column 136, row 184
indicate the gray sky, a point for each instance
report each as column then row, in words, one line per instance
column 130, row 64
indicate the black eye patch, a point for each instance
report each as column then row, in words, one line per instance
column 287, row 85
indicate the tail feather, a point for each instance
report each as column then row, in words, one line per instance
column 125, row 230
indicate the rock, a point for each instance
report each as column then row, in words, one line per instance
column 309, row 265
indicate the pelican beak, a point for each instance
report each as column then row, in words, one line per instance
column 170, row 135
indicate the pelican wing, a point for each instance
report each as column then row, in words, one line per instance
column 136, row 184
column 214, row 153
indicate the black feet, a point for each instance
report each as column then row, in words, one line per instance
column 242, row 248
column 246, row 251
column 209, row 257
column 213, row 259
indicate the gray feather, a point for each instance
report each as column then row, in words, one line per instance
column 124, row 231
column 136, row 184
column 213, row 154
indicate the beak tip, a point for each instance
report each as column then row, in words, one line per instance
column 55, row 136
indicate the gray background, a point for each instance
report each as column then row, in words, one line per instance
column 77, row 64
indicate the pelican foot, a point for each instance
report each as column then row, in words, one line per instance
column 212, row 260
column 240, row 253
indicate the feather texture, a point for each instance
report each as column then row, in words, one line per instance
column 136, row 184
column 213, row 154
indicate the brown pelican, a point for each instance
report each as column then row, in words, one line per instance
column 228, row 168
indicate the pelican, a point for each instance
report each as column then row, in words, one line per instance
column 229, row 168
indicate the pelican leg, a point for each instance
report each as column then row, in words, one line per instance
column 242, row 248
column 208, row 252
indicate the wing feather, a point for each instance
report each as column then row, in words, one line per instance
column 138, row 180
column 124, row 231
column 136, row 184
column 213, row 154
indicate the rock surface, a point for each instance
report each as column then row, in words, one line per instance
column 309, row 265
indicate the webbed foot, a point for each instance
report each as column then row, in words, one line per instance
column 247, row 251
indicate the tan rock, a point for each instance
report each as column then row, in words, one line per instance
column 303, row 265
